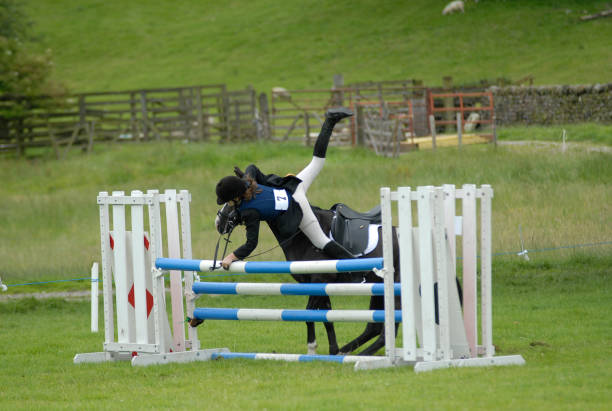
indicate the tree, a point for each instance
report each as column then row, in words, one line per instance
column 23, row 72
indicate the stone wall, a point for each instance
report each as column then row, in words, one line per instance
column 553, row 104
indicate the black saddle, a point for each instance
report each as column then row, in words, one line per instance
column 350, row 228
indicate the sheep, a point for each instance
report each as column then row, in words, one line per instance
column 472, row 122
column 281, row 93
column 453, row 7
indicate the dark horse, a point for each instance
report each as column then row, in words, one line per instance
column 297, row 247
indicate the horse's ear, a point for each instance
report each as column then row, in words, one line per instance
column 238, row 172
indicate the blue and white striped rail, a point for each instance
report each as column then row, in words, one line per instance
column 252, row 314
column 319, row 289
column 276, row 267
column 342, row 359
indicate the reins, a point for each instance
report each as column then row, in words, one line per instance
column 227, row 241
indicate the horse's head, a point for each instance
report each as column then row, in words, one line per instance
column 227, row 218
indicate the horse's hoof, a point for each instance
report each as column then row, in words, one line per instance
column 194, row 322
column 312, row 348
column 337, row 114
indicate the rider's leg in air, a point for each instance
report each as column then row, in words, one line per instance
column 309, row 224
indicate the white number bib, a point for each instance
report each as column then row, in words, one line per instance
column 281, row 200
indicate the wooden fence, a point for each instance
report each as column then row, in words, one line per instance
column 388, row 116
column 200, row 113
column 298, row 114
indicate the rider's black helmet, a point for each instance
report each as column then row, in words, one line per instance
column 229, row 188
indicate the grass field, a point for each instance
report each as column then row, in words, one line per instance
column 116, row 45
column 49, row 207
column 554, row 309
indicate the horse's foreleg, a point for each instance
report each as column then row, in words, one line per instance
column 331, row 338
column 324, row 303
column 311, row 337
column 320, row 303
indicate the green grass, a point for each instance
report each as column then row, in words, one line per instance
column 50, row 220
column 591, row 133
column 553, row 311
column 116, row 45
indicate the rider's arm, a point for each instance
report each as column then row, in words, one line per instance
column 251, row 219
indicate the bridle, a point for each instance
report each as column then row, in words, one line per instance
column 228, row 217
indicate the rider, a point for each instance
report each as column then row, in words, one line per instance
column 269, row 197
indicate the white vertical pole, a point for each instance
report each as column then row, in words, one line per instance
column 458, row 338
column 388, row 270
column 416, row 282
column 149, row 283
column 184, row 199
column 138, row 264
column 94, row 298
column 469, row 267
column 159, row 302
column 120, row 254
column 441, row 266
column 107, row 280
column 176, row 284
column 449, row 222
column 485, row 266
column 427, row 273
column 404, row 206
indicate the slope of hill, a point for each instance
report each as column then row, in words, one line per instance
column 115, row 45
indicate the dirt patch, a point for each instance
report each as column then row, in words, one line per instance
column 70, row 295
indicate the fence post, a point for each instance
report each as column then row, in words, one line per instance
column 143, row 111
column 237, row 127
column 432, row 127
column 225, row 113
column 82, row 111
column 133, row 118
column 338, row 95
column 448, row 102
column 459, row 129
column 307, row 125
column 264, row 116
column 199, row 113
column 494, row 130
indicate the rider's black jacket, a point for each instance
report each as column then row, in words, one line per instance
column 284, row 225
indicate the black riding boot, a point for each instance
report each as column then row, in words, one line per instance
column 335, row 250
column 333, row 116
